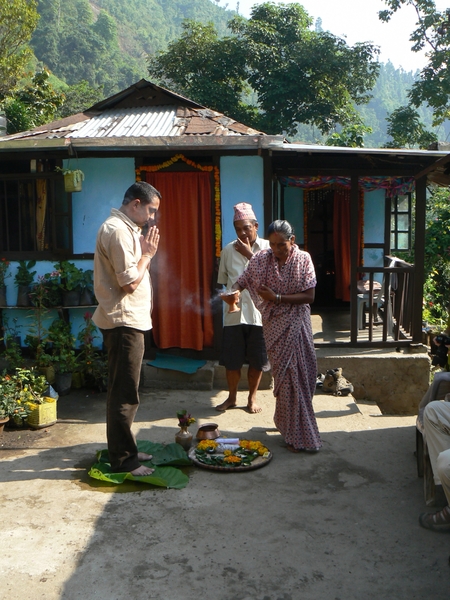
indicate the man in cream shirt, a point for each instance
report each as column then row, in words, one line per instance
column 122, row 287
column 242, row 337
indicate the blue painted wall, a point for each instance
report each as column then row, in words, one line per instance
column 241, row 180
column 105, row 182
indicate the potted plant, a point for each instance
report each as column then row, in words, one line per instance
column 73, row 179
column 23, row 279
column 23, row 399
column 71, row 281
column 46, row 292
column 87, row 293
column 4, row 274
column 92, row 362
column 63, row 354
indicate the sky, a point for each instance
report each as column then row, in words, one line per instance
column 357, row 21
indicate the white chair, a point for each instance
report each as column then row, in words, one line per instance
column 364, row 299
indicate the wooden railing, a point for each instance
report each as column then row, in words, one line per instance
column 395, row 308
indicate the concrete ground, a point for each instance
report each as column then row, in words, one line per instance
column 341, row 524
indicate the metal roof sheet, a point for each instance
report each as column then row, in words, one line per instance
column 131, row 122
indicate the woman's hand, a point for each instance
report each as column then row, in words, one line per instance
column 267, row 294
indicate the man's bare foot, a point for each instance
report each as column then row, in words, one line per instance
column 229, row 403
column 142, row 471
column 143, row 457
column 253, row 408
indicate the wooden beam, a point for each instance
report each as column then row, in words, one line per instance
column 419, row 259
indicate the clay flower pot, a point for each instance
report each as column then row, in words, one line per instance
column 231, row 298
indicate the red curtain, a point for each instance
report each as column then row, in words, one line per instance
column 341, row 237
column 182, row 269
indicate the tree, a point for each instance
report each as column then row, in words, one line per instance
column 433, row 33
column 207, row 69
column 298, row 75
column 18, row 20
column 79, row 97
column 406, row 129
column 33, row 105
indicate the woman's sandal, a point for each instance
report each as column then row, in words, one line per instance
column 439, row 521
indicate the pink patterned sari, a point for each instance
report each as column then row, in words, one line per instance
column 289, row 342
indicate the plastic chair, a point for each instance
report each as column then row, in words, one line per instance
column 364, row 299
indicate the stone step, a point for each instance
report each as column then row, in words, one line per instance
column 210, row 376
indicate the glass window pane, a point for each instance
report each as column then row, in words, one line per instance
column 403, row 203
column 393, row 223
column 403, row 222
column 392, row 240
column 402, row 241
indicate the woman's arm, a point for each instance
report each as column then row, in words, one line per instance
column 306, row 297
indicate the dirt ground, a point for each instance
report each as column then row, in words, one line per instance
column 341, row 524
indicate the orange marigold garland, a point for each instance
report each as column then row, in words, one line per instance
column 191, row 163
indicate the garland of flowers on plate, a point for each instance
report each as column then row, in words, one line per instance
column 243, row 455
column 191, row 163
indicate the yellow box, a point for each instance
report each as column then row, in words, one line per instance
column 43, row 415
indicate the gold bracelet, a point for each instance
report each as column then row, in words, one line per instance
column 278, row 298
column 149, row 255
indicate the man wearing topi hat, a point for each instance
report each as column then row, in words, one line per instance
column 242, row 338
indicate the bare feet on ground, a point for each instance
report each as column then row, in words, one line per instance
column 143, row 456
column 253, row 408
column 142, row 471
column 229, row 403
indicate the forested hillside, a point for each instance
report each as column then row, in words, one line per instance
column 106, row 43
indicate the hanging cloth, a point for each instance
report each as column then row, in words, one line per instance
column 182, row 270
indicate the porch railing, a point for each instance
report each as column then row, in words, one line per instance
column 395, row 305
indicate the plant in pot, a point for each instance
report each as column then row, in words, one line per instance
column 23, row 279
column 92, row 362
column 23, row 399
column 71, row 282
column 73, row 179
column 4, row 274
column 46, row 292
column 12, row 352
column 63, row 354
column 87, row 297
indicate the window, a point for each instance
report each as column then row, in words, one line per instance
column 401, row 222
column 35, row 216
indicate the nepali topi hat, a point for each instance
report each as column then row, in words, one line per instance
column 243, row 212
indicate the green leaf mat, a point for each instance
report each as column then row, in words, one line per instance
column 165, row 460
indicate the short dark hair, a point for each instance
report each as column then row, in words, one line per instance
column 282, row 227
column 142, row 191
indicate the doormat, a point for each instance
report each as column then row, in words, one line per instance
column 176, row 363
column 166, row 460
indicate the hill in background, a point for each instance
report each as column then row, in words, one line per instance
column 106, row 43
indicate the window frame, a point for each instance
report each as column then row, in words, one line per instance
column 395, row 215
column 54, row 216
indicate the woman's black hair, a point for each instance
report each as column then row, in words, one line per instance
column 282, row 227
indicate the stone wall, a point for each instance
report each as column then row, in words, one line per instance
column 396, row 381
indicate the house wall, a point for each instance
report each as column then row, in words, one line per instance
column 241, row 180
column 105, row 182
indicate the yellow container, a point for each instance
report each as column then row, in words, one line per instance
column 43, row 415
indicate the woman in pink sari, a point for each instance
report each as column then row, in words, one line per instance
column 281, row 281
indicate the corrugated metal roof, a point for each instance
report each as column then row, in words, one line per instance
column 131, row 122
